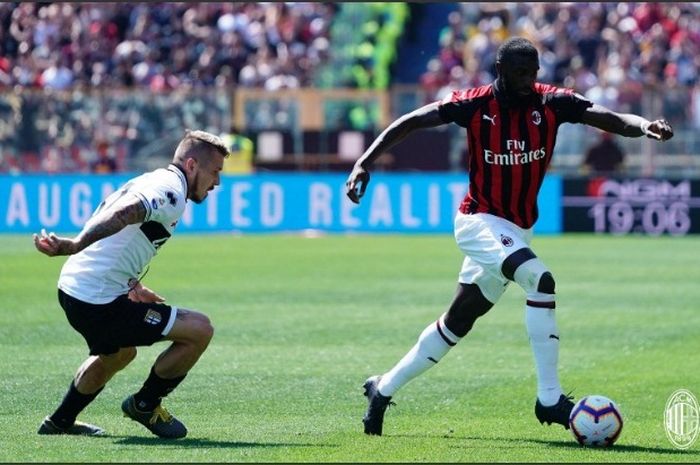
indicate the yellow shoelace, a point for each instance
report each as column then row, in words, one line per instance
column 160, row 412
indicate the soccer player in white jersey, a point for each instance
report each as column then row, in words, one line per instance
column 103, row 299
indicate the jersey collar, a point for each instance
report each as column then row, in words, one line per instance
column 181, row 174
column 508, row 102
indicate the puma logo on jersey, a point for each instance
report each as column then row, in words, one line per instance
column 490, row 118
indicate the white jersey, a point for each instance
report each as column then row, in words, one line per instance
column 101, row 272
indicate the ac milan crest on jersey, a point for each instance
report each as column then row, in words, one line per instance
column 536, row 118
column 507, row 241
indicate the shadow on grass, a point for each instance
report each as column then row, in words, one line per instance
column 617, row 448
column 203, row 443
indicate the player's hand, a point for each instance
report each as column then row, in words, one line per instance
column 658, row 129
column 142, row 294
column 52, row 245
column 356, row 184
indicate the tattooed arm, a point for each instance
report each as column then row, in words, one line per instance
column 105, row 223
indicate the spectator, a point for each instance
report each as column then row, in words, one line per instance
column 605, row 157
column 104, row 164
column 628, row 45
column 240, row 147
column 57, row 76
column 93, row 44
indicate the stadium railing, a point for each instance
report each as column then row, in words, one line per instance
column 293, row 129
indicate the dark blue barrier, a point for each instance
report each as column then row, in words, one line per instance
column 396, row 202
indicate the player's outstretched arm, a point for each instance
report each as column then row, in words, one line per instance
column 106, row 223
column 627, row 124
column 424, row 117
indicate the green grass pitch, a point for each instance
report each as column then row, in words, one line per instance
column 300, row 323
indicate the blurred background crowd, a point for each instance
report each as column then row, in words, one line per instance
column 162, row 46
column 608, row 52
column 95, row 86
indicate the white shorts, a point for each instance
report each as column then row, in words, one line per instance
column 486, row 241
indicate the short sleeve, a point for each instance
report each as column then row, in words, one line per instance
column 569, row 106
column 457, row 107
column 163, row 203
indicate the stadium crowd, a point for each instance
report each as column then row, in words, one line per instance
column 162, row 45
column 138, row 73
column 144, row 51
column 608, row 52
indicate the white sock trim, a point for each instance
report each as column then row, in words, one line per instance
column 445, row 331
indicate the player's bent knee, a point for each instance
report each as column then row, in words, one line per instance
column 192, row 328
column 201, row 329
column 533, row 276
column 546, row 284
column 515, row 261
column 207, row 330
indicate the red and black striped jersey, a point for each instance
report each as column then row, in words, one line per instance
column 509, row 146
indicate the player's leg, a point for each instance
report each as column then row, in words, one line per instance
column 190, row 333
column 97, row 370
column 190, row 336
column 534, row 277
column 468, row 305
column 477, row 292
column 100, row 326
column 437, row 338
column 433, row 344
column 89, row 381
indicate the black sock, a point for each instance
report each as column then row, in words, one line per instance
column 73, row 403
column 153, row 390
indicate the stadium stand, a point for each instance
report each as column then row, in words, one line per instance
column 632, row 57
column 132, row 76
column 162, row 45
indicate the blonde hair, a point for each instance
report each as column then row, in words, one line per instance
column 198, row 143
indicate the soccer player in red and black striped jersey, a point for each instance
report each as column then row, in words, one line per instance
column 511, row 131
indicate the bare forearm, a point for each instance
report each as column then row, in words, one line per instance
column 630, row 125
column 105, row 223
column 108, row 223
column 424, row 117
column 391, row 136
column 626, row 124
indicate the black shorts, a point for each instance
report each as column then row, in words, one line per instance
column 120, row 323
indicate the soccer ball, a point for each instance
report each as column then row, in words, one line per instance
column 595, row 421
